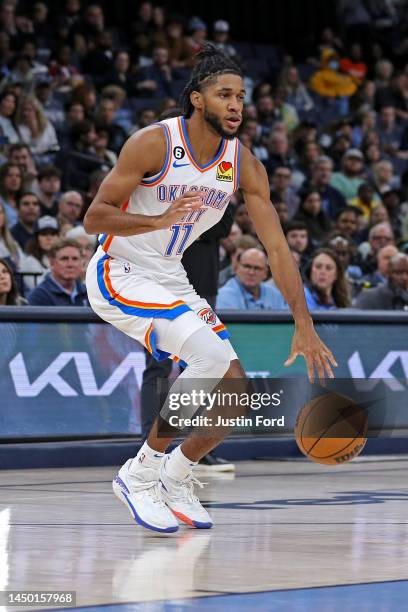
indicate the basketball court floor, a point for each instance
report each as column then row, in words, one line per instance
column 288, row 535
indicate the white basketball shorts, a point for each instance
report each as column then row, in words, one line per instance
column 133, row 299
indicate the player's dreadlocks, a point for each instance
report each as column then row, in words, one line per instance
column 211, row 63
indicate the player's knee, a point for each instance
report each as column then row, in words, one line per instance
column 213, row 359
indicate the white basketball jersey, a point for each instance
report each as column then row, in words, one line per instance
column 162, row 250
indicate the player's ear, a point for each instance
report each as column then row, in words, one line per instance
column 196, row 100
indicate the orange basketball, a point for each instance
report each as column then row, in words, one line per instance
column 331, row 429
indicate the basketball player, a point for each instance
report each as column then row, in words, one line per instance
column 172, row 182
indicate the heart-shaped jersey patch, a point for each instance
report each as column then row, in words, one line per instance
column 225, row 166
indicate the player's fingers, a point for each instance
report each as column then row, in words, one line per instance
column 327, row 365
column 310, row 368
column 291, row 358
column 329, row 355
column 317, row 360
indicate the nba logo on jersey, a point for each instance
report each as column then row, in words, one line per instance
column 225, row 172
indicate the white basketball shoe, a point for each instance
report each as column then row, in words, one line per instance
column 142, row 495
column 180, row 498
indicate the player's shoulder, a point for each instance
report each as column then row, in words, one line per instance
column 248, row 158
column 152, row 135
column 251, row 169
column 147, row 146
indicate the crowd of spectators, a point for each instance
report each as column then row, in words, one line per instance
column 332, row 132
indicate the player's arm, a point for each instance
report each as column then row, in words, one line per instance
column 143, row 154
column 255, row 186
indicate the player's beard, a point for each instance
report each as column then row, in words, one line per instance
column 216, row 125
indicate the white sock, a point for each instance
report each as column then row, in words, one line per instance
column 146, row 458
column 178, row 466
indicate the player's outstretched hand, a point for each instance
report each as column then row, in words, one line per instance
column 306, row 342
column 189, row 201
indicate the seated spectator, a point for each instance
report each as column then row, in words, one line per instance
column 239, row 245
column 101, row 145
column 282, row 189
column 65, row 75
column 87, row 244
column 106, row 117
column 9, row 248
column 85, row 94
column 380, row 274
column 123, row 114
column 156, row 81
column 353, row 64
column 49, row 190
column 62, row 285
column 389, row 131
column 330, row 83
column 365, row 200
column 70, row 209
column 120, row 73
column 326, row 285
column 366, row 120
column 384, row 178
column 297, row 236
column 393, row 295
column 383, row 72
column 279, row 151
column 28, row 207
column 310, row 213
column 20, row 155
column 344, row 250
column 8, row 104
column 51, row 106
column 294, row 90
column 247, row 290
column 197, row 29
column 34, row 128
column 332, row 201
column 347, row 222
column 285, row 112
column 351, row 176
column 11, row 186
column 265, row 113
column 9, row 295
column 180, row 54
column 379, row 236
column 37, row 250
column 221, row 30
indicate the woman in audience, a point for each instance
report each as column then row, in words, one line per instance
column 9, row 295
column 37, row 250
column 11, row 187
column 34, row 127
column 9, row 248
column 8, row 104
column 311, row 213
column 326, row 286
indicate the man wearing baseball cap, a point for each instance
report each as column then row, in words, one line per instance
column 351, row 176
column 221, row 30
